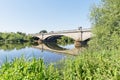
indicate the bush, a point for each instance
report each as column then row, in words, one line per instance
column 106, row 25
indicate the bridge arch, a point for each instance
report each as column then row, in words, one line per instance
column 35, row 38
column 53, row 38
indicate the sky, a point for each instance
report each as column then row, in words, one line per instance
column 32, row 16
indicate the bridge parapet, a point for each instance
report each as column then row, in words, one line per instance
column 65, row 31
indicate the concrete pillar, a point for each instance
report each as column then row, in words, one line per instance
column 40, row 41
column 77, row 43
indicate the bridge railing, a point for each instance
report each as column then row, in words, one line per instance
column 70, row 31
column 65, row 31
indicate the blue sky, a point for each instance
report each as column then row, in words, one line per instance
column 32, row 16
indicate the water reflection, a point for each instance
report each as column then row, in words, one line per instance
column 49, row 52
column 17, row 46
column 52, row 47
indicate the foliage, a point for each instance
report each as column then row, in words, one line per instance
column 43, row 31
column 14, row 37
column 100, row 65
column 65, row 40
column 106, row 22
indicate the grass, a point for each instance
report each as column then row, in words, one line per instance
column 98, row 65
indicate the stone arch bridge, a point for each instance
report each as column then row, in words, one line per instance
column 77, row 35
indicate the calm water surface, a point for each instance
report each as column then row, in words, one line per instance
column 48, row 52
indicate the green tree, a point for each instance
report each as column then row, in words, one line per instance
column 106, row 25
column 15, row 37
column 1, row 36
column 5, row 36
column 64, row 40
column 43, row 31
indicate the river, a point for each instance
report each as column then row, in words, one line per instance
column 49, row 52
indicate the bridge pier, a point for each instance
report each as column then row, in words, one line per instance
column 40, row 41
column 78, row 43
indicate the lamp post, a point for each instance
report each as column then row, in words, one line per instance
column 42, row 36
column 80, row 28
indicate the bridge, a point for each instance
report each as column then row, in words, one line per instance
column 79, row 35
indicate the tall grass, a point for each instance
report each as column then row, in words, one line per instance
column 99, row 65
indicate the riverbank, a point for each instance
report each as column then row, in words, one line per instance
column 13, row 37
column 103, row 65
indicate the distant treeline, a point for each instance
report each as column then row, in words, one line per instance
column 64, row 40
column 14, row 37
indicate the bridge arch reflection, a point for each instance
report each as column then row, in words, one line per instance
column 53, row 47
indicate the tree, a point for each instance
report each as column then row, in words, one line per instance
column 106, row 24
column 1, row 36
column 43, row 31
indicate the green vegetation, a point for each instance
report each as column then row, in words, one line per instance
column 102, row 65
column 65, row 40
column 43, row 31
column 106, row 25
column 10, row 41
column 14, row 37
column 100, row 62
